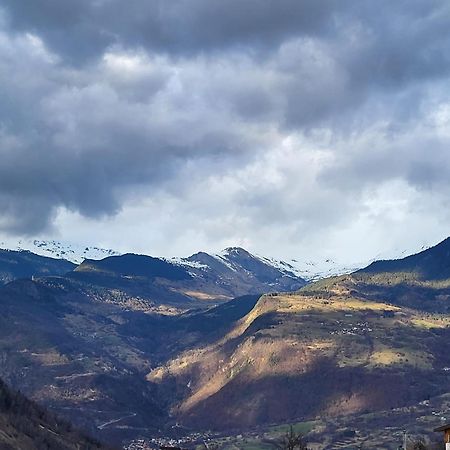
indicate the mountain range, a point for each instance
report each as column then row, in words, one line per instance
column 309, row 269
column 131, row 345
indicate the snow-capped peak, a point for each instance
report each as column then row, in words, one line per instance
column 58, row 250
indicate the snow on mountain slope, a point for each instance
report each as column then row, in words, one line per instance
column 233, row 259
column 314, row 270
column 59, row 250
column 230, row 258
column 237, row 259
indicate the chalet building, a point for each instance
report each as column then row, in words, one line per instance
column 446, row 430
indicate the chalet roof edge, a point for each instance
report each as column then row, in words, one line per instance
column 443, row 427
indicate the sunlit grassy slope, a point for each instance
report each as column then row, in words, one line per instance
column 330, row 349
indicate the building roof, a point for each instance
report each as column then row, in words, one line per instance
column 443, row 428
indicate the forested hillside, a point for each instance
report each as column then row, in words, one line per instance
column 26, row 426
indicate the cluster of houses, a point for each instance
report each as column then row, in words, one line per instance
column 142, row 445
column 352, row 329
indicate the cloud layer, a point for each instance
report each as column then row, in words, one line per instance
column 277, row 124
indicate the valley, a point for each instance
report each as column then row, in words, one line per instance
column 119, row 349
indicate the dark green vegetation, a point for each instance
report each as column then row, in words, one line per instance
column 26, row 426
column 23, row 264
column 113, row 348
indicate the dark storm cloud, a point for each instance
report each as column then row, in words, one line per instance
column 80, row 139
column 82, row 29
column 102, row 97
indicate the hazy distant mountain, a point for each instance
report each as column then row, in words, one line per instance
column 236, row 268
column 184, row 282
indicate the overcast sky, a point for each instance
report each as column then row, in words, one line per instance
column 294, row 128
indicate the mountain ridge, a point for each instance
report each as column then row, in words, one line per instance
column 308, row 269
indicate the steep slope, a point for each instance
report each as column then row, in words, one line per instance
column 23, row 264
column 301, row 356
column 26, row 426
column 360, row 342
column 86, row 356
column 80, row 355
column 237, row 272
column 421, row 281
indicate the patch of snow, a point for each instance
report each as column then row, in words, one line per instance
column 58, row 250
column 222, row 257
column 310, row 270
column 315, row 270
column 186, row 263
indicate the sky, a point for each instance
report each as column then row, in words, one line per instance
column 293, row 128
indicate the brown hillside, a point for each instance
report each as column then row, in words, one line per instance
column 302, row 356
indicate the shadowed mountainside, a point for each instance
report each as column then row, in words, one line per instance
column 24, row 264
column 131, row 265
column 86, row 356
column 194, row 282
column 26, row 426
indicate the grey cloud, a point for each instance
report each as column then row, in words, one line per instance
column 356, row 50
column 83, row 29
column 417, row 155
column 70, row 138
column 100, row 98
